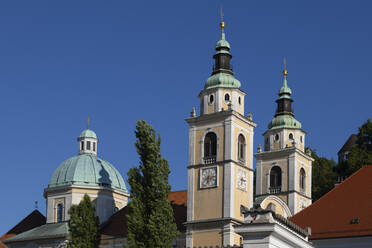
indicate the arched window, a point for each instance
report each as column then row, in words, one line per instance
column 276, row 137
column 227, row 97
column 60, row 212
column 82, row 145
column 241, row 147
column 302, row 180
column 211, row 99
column 210, row 148
column 88, row 145
column 275, row 180
column 290, row 136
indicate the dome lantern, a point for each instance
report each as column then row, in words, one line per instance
column 88, row 141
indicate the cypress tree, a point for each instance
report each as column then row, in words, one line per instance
column 150, row 219
column 83, row 225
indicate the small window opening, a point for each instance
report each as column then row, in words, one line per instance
column 211, row 99
column 94, row 146
column 227, row 97
column 241, row 145
column 275, row 180
column 239, row 100
column 291, row 136
column 82, row 145
column 210, row 148
column 302, row 180
column 60, row 212
column 88, row 145
column 276, row 137
column 301, row 139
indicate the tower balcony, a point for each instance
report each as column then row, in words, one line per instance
column 275, row 190
column 210, row 160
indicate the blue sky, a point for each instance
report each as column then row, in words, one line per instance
column 120, row 61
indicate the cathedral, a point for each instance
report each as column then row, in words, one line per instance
column 229, row 200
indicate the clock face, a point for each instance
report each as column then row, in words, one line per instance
column 209, row 177
column 242, row 180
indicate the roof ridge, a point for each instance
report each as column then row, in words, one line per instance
column 178, row 191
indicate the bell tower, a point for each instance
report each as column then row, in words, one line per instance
column 220, row 168
column 284, row 167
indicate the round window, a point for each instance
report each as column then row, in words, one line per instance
column 211, row 99
column 227, row 97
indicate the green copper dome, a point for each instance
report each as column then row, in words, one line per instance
column 221, row 79
column 284, row 121
column 87, row 170
column 87, row 133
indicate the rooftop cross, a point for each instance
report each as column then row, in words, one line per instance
column 88, row 122
column 222, row 23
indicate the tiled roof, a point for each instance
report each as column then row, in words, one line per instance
column 34, row 219
column 349, row 143
column 49, row 230
column 116, row 225
column 345, row 211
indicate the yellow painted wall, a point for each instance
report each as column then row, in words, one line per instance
column 208, row 202
column 241, row 197
column 211, row 106
column 237, row 239
column 301, row 160
column 207, row 239
column 224, row 104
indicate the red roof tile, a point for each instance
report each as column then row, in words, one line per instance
column 2, row 245
column 117, row 226
column 345, row 211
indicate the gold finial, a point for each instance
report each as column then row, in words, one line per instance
column 222, row 23
column 285, row 72
column 88, row 122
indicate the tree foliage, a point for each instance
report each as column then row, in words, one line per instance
column 150, row 219
column 83, row 225
column 361, row 152
column 323, row 177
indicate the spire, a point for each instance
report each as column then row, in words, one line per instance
column 222, row 75
column 222, row 56
column 222, row 25
column 284, row 101
column 285, row 91
column 284, row 115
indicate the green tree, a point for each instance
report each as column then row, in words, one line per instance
column 323, row 177
column 150, row 219
column 83, row 225
column 361, row 152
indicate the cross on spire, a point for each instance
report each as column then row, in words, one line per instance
column 222, row 23
column 88, row 122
